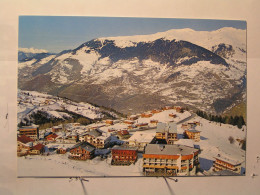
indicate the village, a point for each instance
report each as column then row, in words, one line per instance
column 160, row 142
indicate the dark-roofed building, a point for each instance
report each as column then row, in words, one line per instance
column 167, row 131
column 123, row 155
column 170, row 160
column 37, row 149
column 123, row 134
column 82, row 151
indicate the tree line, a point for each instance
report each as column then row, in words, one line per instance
column 232, row 120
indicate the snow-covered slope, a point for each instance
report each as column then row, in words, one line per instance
column 30, row 102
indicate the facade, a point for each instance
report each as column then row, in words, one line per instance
column 193, row 134
column 30, row 131
column 82, row 151
column 167, row 131
column 170, row 160
column 123, row 155
column 222, row 163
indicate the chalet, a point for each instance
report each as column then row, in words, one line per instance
column 30, row 131
column 168, row 107
column 192, row 134
column 51, row 137
column 111, row 130
column 140, row 140
column 82, row 151
column 192, row 125
column 154, row 122
column 142, row 126
column 62, row 150
column 130, row 127
column 109, row 122
column 222, row 163
column 167, row 131
column 156, row 111
column 70, row 138
column 123, row 155
column 172, row 115
column 179, row 109
column 56, row 129
column 37, row 149
column 24, row 144
column 146, row 115
column 132, row 117
column 185, row 126
column 96, row 138
column 129, row 122
column 123, row 134
column 170, row 160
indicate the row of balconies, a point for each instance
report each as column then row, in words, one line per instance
column 221, row 167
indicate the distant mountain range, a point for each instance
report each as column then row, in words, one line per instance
column 202, row 69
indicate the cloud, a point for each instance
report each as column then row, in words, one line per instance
column 32, row 50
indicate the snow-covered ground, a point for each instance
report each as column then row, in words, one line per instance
column 214, row 141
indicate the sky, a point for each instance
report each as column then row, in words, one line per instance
column 58, row 33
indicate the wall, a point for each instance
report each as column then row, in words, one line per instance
column 214, row 9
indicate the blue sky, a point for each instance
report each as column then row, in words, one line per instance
column 57, row 33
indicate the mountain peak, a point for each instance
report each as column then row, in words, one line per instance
column 32, row 50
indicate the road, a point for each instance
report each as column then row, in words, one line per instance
column 186, row 119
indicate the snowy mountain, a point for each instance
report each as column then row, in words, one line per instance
column 131, row 74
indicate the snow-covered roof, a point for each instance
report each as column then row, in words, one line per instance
column 228, row 160
column 142, row 137
column 162, row 149
column 124, row 147
column 84, row 145
column 171, row 127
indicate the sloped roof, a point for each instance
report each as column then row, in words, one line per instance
column 84, row 145
column 171, row 127
column 162, row 149
column 38, row 147
column 24, row 139
column 161, row 127
column 95, row 133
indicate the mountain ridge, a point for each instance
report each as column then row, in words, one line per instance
column 155, row 73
